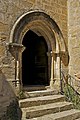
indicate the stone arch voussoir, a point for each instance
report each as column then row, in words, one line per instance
column 38, row 15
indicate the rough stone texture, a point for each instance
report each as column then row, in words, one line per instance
column 10, row 11
column 65, row 115
column 74, row 37
column 40, row 108
column 6, row 94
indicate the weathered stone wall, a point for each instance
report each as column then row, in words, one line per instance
column 74, row 41
column 74, row 36
column 11, row 10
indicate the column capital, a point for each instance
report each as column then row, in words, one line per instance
column 53, row 53
column 16, row 48
column 56, row 54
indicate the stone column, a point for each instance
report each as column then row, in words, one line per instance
column 58, row 70
column 52, row 70
column 58, row 66
column 16, row 50
column 20, row 67
column 17, row 73
column 49, row 66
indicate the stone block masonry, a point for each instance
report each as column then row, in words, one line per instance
column 74, row 39
column 74, row 35
column 10, row 11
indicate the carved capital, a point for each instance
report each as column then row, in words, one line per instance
column 16, row 48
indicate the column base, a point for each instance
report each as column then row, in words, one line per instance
column 17, row 88
column 55, row 85
column 52, row 84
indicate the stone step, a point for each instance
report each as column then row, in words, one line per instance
column 40, row 100
column 72, row 114
column 40, row 93
column 34, row 87
column 37, row 111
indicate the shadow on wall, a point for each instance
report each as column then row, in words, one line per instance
column 9, row 107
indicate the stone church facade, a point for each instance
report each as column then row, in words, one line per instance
column 38, row 39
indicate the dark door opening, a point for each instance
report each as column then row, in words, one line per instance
column 34, row 60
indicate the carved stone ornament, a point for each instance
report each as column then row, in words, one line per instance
column 15, row 48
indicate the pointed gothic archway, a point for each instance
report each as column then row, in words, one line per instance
column 42, row 25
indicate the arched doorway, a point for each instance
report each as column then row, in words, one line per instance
column 45, row 30
column 34, row 60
